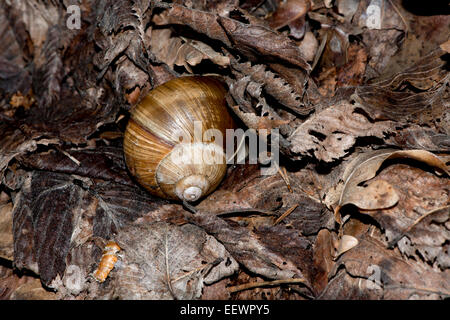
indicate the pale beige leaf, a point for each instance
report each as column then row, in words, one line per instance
column 376, row 195
column 346, row 243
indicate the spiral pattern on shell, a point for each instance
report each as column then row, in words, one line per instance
column 161, row 127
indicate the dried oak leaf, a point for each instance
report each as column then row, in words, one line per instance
column 250, row 40
column 370, row 271
column 329, row 134
column 165, row 261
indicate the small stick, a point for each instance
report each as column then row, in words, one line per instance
column 401, row 16
column 252, row 285
column 287, row 178
column 75, row 160
column 283, row 175
column 208, row 265
column 284, row 215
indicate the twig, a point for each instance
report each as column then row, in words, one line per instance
column 401, row 16
column 166, row 254
column 252, row 285
column 75, row 160
column 284, row 215
column 208, row 265
column 285, row 177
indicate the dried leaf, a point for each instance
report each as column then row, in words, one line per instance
column 365, row 167
column 42, row 224
column 346, row 243
column 446, row 46
column 164, row 261
column 182, row 51
column 6, row 234
column 375, row 195
column 384, row 275
column 251, row 250
column 274, row 85
column 49, row 73
column 328, row 135
column 287, row 12
column 104, row 163
column 14, row 142
column 417, row 223
column 247, row 38
column 323, row 253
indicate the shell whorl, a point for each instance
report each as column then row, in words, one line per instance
column 159, row 145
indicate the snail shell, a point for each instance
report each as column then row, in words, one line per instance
column 159, row 145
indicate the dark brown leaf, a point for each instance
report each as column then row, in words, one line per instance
column 104, row 163
column 250, row 40
column 42, row 225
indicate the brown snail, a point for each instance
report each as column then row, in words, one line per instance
column 162, row 145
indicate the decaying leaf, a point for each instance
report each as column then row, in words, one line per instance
column 365, row 167
column 381, row 100
column 288, row 12
column 373, row 272
column 274, row 85
column 182, row 51
column 364, row 134
column 330, row 134
column 164, row 261
column 417, row 223
column 249, row 39
column 6, row 234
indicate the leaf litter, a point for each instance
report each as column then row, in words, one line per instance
column 358, row 208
